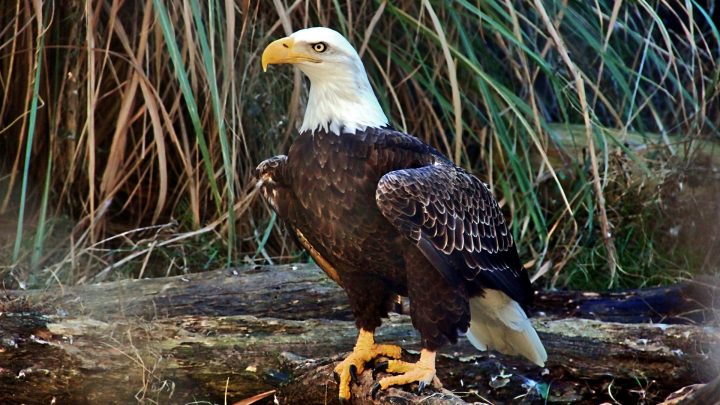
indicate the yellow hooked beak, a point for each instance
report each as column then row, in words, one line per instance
column 281, row 51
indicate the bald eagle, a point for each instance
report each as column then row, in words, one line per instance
column 384, row 214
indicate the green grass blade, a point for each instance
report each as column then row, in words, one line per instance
column 266, row 236
column 29, row 145
column 169, row 36
column 210, row 71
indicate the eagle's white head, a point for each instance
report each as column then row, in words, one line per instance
column 341, row 98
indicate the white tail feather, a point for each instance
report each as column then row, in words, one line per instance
column 497, row 322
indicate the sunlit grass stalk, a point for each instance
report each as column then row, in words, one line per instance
column 452, row 77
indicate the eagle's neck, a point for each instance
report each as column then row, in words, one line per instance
column 341, row 101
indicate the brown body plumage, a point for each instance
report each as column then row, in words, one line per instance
column 393, row 216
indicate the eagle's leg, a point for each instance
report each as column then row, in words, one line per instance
column 365, row 350
column 422, row 372
column 438, row 313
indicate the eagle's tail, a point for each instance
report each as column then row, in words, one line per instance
column 499, row 323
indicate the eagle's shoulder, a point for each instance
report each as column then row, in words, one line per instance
column 392, row 139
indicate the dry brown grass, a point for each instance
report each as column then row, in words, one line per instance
column 147, row 176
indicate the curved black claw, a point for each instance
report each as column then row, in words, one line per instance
column 375, row 390
column 421, row 387
column 353, row 374
column 336, row 377
column 379, row 367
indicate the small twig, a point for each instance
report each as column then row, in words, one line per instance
column 104, row 272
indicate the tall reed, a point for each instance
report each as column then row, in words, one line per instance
column 129, row 130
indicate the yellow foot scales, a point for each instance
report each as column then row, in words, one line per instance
column 364, row 351
column 422, row 372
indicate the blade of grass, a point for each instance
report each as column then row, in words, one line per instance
column 182, row 77
column 211, row 75
column 266, row 235
column 599, row 195
column 40, row 50
column 90, row 130
column 452, row 75
column 40, row 232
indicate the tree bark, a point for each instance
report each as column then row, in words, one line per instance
column 232, row 334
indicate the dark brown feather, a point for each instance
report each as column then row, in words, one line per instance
column 390, row 215
column 457, row 224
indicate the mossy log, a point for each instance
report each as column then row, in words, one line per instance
column 231, row 334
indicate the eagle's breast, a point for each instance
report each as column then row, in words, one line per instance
column 334, row 179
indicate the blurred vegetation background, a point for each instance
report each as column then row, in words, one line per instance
column 129, row 129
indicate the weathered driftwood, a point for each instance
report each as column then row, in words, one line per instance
column 246, row 331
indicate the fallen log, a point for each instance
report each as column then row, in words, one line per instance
column 232, row 334
column 690, row 301
column 301, row 292
column 289, row 292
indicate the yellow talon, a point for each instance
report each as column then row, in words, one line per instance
column 422, row 372
column 364, row 351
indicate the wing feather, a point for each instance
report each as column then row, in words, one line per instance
column 457, row 224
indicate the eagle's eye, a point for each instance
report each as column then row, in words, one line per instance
column 319, row 47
